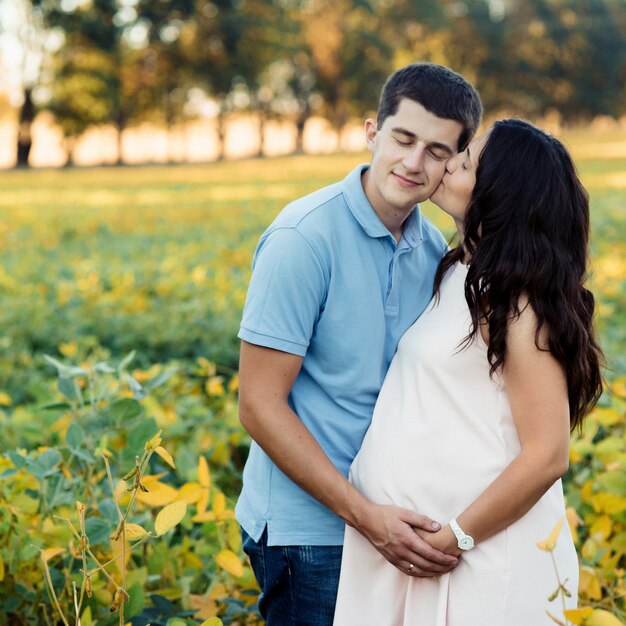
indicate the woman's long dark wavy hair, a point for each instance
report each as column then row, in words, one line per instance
column 526, row 234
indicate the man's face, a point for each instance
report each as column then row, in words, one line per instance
column 410, row 151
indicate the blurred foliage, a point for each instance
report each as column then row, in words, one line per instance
column 293, row 58
column 55, row 458
column 97, row 262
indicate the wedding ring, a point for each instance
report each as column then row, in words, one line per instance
column 410, row 568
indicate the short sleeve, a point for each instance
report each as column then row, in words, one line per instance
column 286, row 294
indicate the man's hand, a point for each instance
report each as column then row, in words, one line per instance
column 443, row 540
column 396, row 533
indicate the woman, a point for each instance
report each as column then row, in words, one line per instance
column 472, row 424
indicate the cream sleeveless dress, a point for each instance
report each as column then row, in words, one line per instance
column 442, row 431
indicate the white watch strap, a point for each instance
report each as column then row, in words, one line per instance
column 464, row 541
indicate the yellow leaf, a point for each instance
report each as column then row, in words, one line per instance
column 233, row 385
column 192, row 561
column 219, row 503
column 233, row 536
column 203, row 502
column 134, row 532
column 602, row 618
column 607, row 416
column 159, row 494
column 588, row 584
column 204, row 475
column 190, row 492
column 602, row 526
column 589, row 549
column 205, row 607
column 68, row 349
column 154, row 443
column 550, row 543
column 213, row 621
column 229, row 561
column 170, row 516
column 214, row 386
column 116, row 549
column 578, row 616
column 208, row 368
column 1, row 568
column 618, row 387
column 165, row 455
column 205, row 516
column 5, row 399
column 50, row 553
column 218, row 591
column 608, row 503
column 574, row 521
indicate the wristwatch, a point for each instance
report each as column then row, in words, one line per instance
column 465, row 542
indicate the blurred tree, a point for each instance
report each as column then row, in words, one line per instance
column 80, row 93
column 570, row 56
column 93, row 30
column 164, row 70
column 228, row 44
column 24, row 23
column 350, row 59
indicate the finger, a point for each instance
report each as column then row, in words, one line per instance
column 410, row 569
column 429, row 568
column 422, row 522
column 426, row 551
column 403, row 558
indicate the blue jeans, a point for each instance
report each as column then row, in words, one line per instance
column 298, row 583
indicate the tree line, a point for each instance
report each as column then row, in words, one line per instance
column 123, row 62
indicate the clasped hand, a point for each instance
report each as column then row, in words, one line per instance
column 413, row 543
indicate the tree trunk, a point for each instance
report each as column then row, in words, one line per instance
column 120, row 123
column 221, row 134
column 262, row 120
column 24, row 133
column 70, row 144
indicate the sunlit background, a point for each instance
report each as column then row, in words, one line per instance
column 108, row 81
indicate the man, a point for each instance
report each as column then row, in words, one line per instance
column 338, row 277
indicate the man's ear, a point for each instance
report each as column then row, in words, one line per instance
column 371, row 131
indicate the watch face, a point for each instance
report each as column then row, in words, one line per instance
column 467, row 543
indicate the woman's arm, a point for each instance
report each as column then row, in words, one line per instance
column 537, row 389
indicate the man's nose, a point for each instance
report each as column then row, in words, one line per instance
column 414, row 161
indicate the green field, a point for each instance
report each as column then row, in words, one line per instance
column 97, row 262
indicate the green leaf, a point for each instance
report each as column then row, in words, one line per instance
column 103, row 368
column 140, row 434
column 125, row 409
column 614, row 481
column 65, row 371
column 69, row 388
column 75, row 435
column 126, row 361
column 56, row 406
column 49, row 459
column 135, row 387
column 159, row 380
column 17, row 459
column 136, row 602
column 98, row 531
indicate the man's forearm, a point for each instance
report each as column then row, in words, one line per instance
column 294, row 450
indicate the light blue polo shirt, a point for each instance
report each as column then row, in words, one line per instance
column 330, row 284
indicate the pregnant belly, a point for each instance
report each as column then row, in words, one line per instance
column 435, row 476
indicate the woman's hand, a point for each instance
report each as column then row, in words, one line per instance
column 443, row 540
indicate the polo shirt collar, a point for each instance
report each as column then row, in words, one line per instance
column 366, row 216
